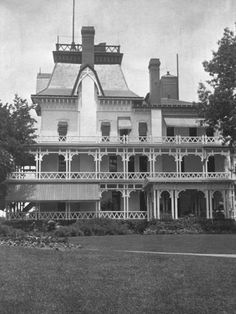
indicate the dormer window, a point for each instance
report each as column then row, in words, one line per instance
column 62, row 129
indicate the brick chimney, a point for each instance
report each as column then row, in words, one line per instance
column 88, row 33
column 154, row 81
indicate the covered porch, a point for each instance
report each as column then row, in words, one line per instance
column 72, row 201
column 178, row 200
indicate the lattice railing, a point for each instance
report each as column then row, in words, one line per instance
column 201, row 140
column 68, row 47
column 136, row 215
column 190, row 175
column 106, row 176
column 111, row 215
column 54, row 215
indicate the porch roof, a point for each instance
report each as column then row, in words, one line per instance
column 53, row 192
column 183, row 122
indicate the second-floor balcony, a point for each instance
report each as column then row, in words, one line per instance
column 111, row 140
column 120, row 176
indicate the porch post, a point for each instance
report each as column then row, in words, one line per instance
column 123, row 155
column 36, row 158
column 68, row 164
column 124, row 202
column 210, row 205
column 172, row 204
column 176, row 203
column 225, row 203
column 154, row 204
column 127, row 203
column 177, row 161
column 207, row 204
column 148, row 209
column 40, row 159
column 158, row 204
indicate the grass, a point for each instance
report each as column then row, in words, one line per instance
column 109, row 281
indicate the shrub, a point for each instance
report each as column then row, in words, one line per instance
column 190, row 225
column 8, row 231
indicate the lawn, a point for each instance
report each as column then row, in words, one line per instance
column 102, row 278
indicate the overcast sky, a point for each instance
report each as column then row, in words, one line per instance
column 144, row 28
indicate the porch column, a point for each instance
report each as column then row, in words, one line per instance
column 224, row 193
column 68, row 164
column 158, row 204
column 210, row 205
column 176, row 203
column 207, row 204
column 36, row 158
column 177, row 161
column 148, row 207
column 124, row 195
column 67, row 213
column 150, row 159
column 97, row 209
column 232, row 203
column 125, row 163
column 96, row 158
column 172, row 204
column 155, row 204
column 40, row 159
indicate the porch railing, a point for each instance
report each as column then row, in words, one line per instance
column 77, row 215
column 107, row 176
column 109, row 140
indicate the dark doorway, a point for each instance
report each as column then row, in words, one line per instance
column 131, row 164
column 112, row 163
column 61, row 207
column 192, row 132
column 142, row 201
column 211, row 164
column 170, row 131
column 115, row 200
column 61, row 164
column 143, row 164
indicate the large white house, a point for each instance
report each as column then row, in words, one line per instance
column 103, row 151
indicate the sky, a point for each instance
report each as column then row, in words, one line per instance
column 143, row 28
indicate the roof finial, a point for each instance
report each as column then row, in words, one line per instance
column 73, row 27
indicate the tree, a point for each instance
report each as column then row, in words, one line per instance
column 17, row 133
column 217, row 105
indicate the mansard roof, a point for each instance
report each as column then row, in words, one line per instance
column 110, row 76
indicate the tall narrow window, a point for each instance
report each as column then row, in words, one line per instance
column 112, row 163
column 116, row 200
column 105, row 129
column 192, row 132
column 142, row 131
column 131, row 164
column 61, row 164
column 62, row 129
column 170, row 131
column 182, row 165
column 143, row 164
column 211, row 164
column 142, row 201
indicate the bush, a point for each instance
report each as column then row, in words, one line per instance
column 191, row 225
column 8, row 231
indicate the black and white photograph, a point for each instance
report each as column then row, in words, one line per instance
column 118, row 156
